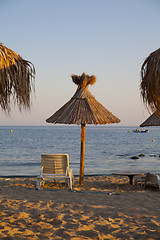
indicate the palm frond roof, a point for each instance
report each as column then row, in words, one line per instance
column 153, row 120
column 83, row 108
column 16, row 75
column 150, row 81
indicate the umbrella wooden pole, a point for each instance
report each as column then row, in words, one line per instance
column 82, row 156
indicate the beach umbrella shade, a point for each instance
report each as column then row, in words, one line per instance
column 16, row 80
column 83, row 109
column 153, row 120
column 150, row 81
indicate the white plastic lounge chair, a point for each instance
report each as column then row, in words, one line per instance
column 153, row 179
column 140, row 179
column 56, row 167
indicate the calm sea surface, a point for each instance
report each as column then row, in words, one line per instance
column 108, row 148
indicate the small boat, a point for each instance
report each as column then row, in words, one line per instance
column 138, row 130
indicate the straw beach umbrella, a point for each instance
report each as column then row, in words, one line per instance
column 16, row 75
column 83, row 109
column 153, row 120
column 150, row 81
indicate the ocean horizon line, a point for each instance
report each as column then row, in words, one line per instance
column 76, row 125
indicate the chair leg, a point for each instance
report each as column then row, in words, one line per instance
column 71, row 180
column 142, row 183
column 135, row 182
column 72, row 177
column 70, row 183
column 38, row 183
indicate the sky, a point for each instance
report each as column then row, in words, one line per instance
column 106, row 38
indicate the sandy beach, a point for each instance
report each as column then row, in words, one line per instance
column 92, row 211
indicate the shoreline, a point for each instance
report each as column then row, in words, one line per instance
column 91, row 211
column 34, row 176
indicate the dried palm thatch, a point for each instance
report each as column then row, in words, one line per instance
column 83, row 108
column 16, row 75
column 150, row 81
column 153, row 120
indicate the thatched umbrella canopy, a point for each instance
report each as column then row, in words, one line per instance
column 16, row 75
column 153, row 120
column 150, row 81
column 83, row 109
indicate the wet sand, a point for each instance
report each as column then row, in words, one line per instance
column 92, row 211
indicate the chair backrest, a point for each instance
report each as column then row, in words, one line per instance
column 54, row 163
column 153, row 178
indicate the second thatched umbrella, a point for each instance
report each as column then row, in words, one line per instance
column 83, row 109
column 153, row 120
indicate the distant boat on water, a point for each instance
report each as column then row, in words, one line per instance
column 138, row 130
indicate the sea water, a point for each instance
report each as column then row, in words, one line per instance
column 108, row 148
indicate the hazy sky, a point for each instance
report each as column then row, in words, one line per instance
column 107, row 38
